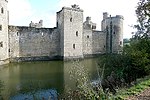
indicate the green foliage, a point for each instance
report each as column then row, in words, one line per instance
column 139, row 87
column 133, row 63
column 84, row 89
column 143, row 15
column 112, row 63
column 139, row 54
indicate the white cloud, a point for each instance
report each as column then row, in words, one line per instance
column 19, row 11
column 95, row 8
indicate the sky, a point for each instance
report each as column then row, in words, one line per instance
column 22, row 12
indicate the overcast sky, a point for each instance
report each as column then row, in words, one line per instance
column 22, row 12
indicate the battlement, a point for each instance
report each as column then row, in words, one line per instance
column 120, row 16
column 30, row 29
column 36, row 25
column 12, row 28
column 107, row 16
column 88, row 24
column 73, row 8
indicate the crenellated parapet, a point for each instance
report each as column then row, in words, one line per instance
column 88, row 24
column 73, row 8
column 36, row 25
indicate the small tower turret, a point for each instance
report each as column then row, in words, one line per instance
column 105, row 15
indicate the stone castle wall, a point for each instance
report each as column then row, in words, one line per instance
column 13, row 42
column 93, row 40
column 33, row 43
column 87, row 42
column 70, row 39
column 99, row 43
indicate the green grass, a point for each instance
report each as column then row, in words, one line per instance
column 141, row 85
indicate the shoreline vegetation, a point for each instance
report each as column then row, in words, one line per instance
column 104, row 87
column 138, row 87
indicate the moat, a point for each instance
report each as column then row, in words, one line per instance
column 28, row 76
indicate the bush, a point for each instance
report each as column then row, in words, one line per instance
column 133, row 63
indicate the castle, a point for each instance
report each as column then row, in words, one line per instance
column 71, row 38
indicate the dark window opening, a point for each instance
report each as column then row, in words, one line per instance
column 1, row 44
column 2, row 10
column 74, row 46
column 87, row 36
column 57, row 24
column 104, row 46
column 71, row 19
column 0, row 27
column 17, row 33
column 8, row 50
column 114, row 32
column 76, row 33
column 120, row 42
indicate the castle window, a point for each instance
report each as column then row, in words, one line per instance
column 114, row 33
column 57, row 24
column 74, row 46
column 2, row 10
column 76, row 33
column 87, row 36
column 17, row 33
column 1, row 44
column 0, row 27
column 71, row 19
column 120, row 42
column 104, row 46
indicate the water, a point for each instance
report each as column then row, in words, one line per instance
column 27, row 77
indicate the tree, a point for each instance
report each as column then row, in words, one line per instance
column 143, row 15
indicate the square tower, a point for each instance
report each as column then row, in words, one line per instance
column 70, row 27
column 4, row 47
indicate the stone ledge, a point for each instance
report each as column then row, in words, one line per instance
column 3, row 62
column 26, row 59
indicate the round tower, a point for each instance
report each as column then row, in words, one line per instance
column 113, row 28
column 117, row 34
column 4, row 48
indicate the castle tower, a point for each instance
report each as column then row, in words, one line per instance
column 113, row 27
column 4, row 48
column 70, row 27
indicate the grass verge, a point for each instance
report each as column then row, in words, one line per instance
column 141, row 85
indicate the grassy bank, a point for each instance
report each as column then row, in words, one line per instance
column 141, row 85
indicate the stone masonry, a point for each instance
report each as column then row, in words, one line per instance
column 4, row 44
column 71, row 38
